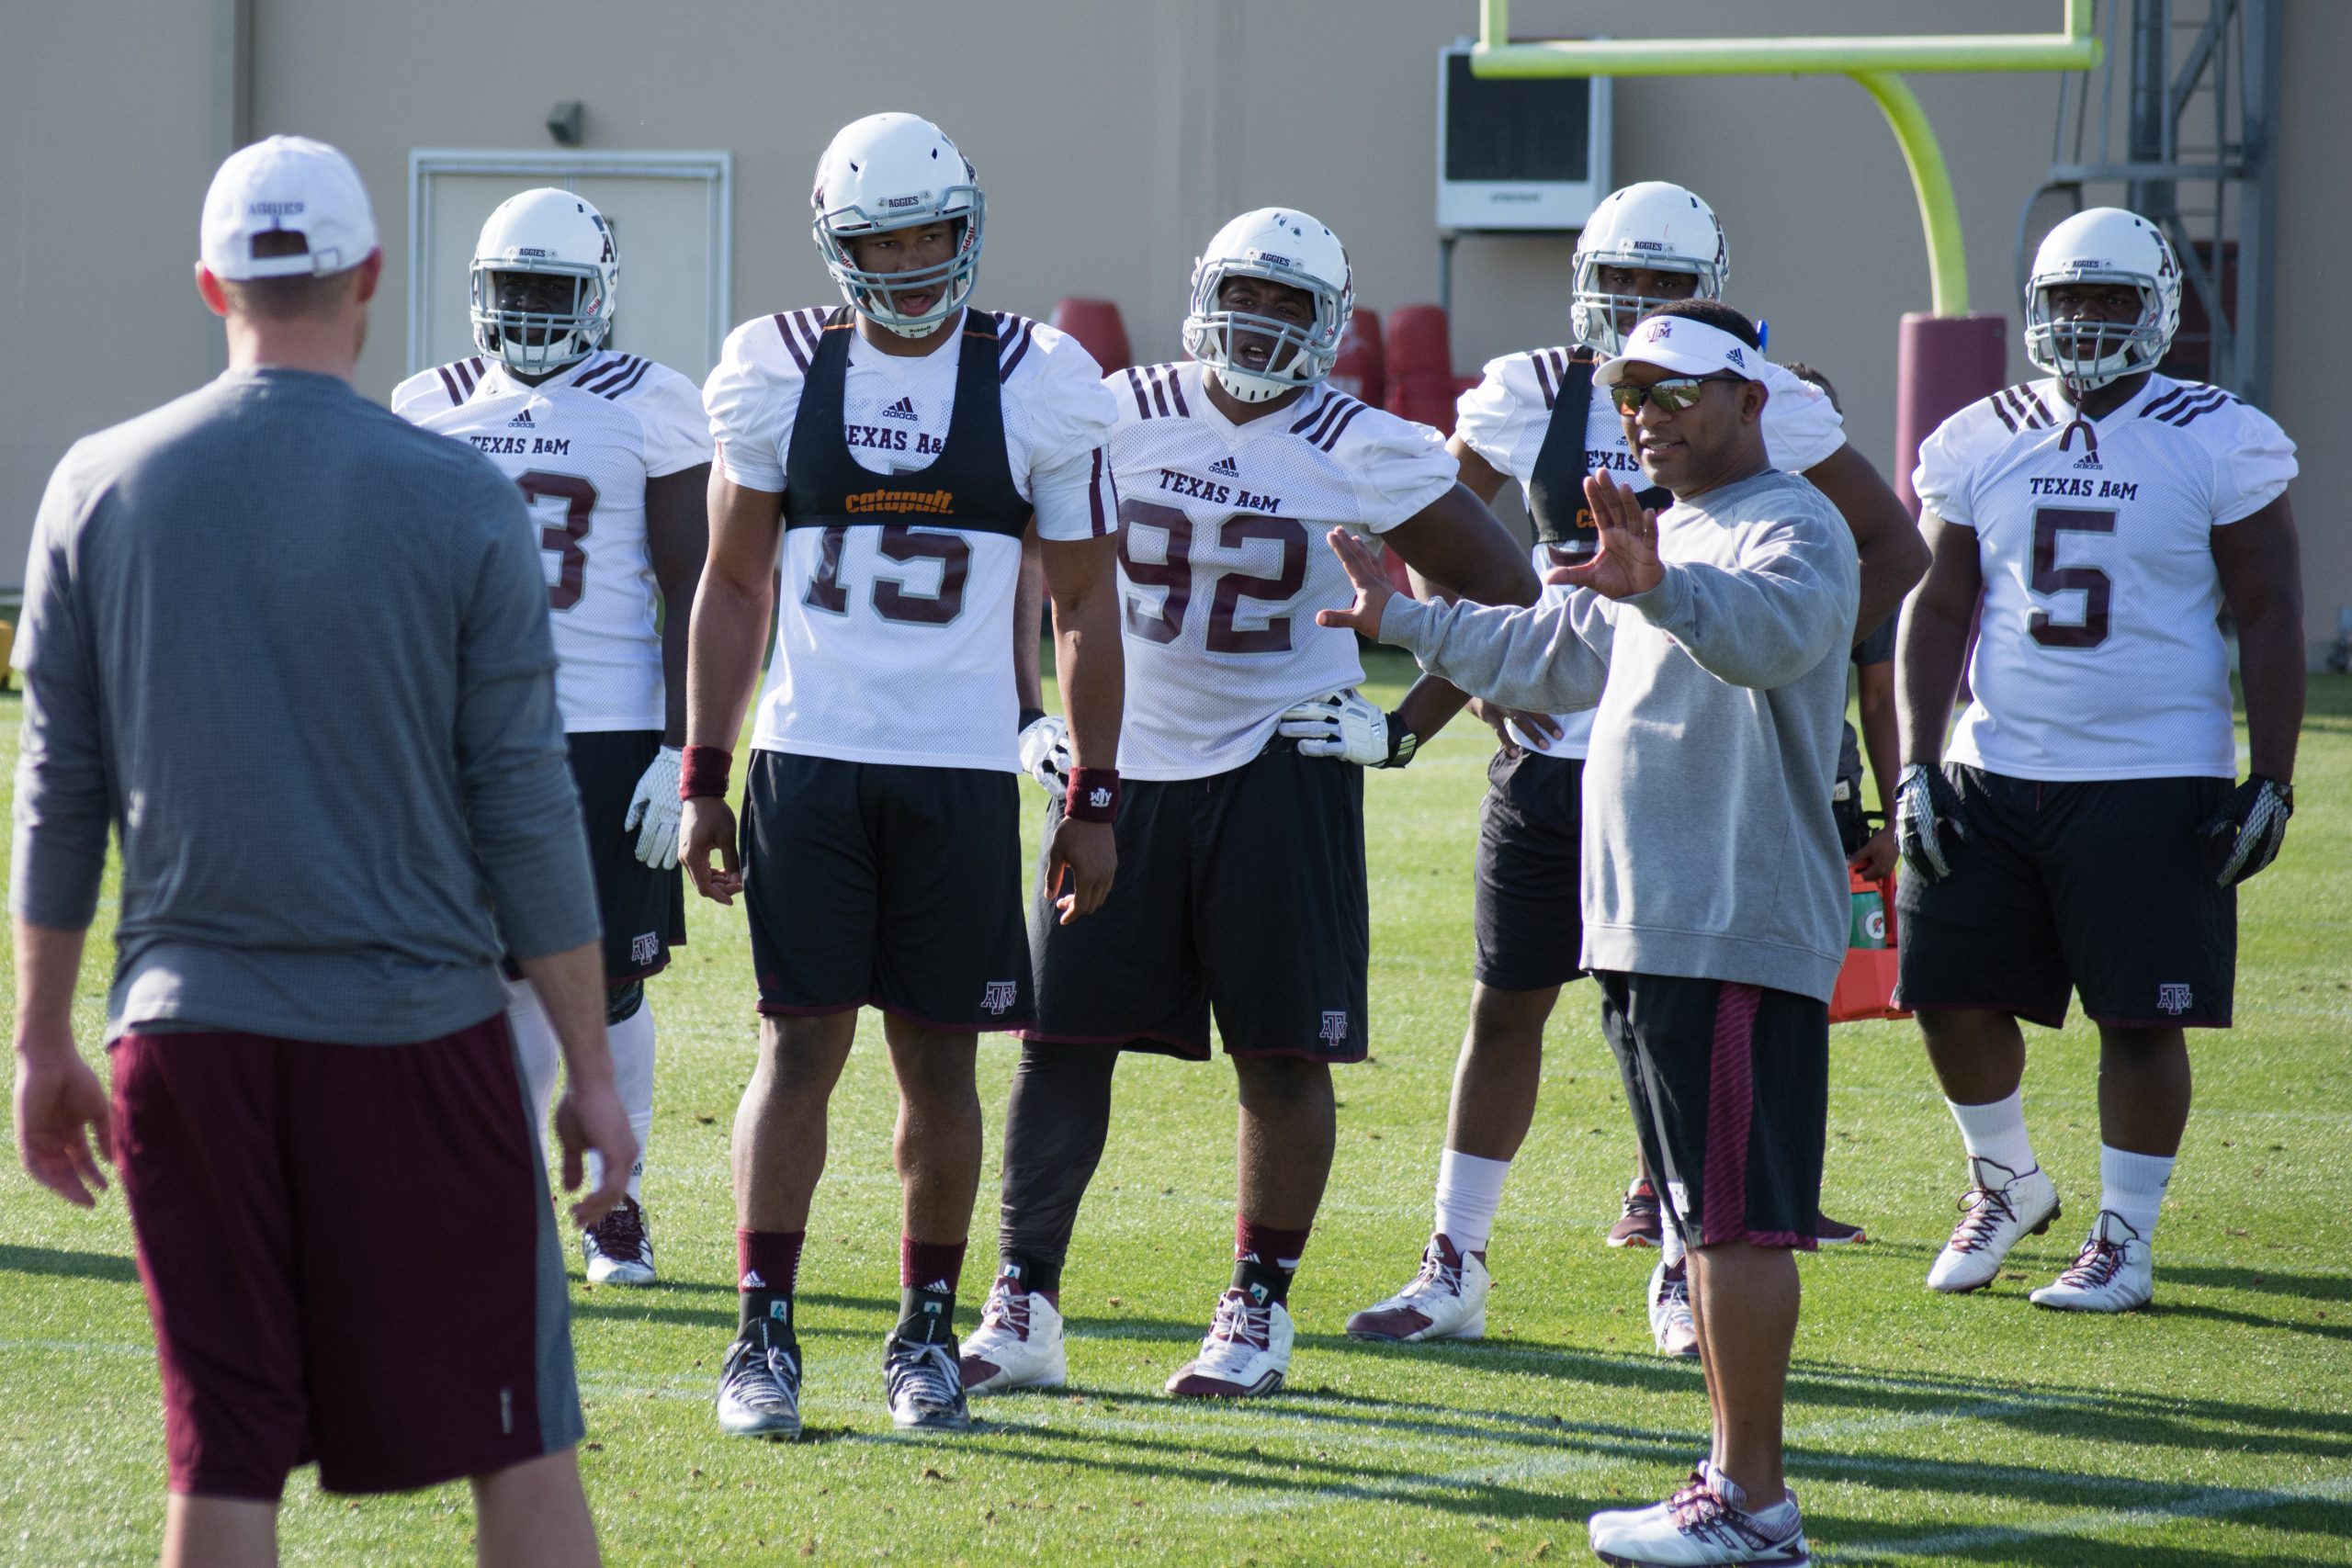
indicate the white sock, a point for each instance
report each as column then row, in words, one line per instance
column 1997, row 1132
column 537, row 1051
column 1671, row 1247
column 2132, row 1187
column 1469, row 1190
column 632, row 1042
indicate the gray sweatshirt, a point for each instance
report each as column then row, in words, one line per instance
column 1709, row 847
column 295, row 652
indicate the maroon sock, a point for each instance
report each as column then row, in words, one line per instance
column 928, row 1271
column 930, row 1265
column 767, row 1268
column 1265, row 1258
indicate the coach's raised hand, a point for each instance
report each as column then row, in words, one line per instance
column 1372, row 586
column 1627, row 562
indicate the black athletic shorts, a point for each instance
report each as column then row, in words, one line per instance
column 1525, row 906
column 2097, row 886
column 888, row 885
column 1240, row 894
column 644, row 910
column 1729, row 1087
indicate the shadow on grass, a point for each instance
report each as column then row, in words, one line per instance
column 59, row 1262
column 2275, row 1281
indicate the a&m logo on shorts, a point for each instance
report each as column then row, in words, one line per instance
column 1335, row 1029
column 998, row 997
column 645, row 947
column 2173, row 999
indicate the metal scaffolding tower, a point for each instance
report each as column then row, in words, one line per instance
column 2196, row 113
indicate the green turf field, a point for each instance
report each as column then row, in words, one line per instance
column 2214, row 1429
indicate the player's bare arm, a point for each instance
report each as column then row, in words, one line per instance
column 677, row 540
column 61, row 1109
column 1462, row 550
column 2260, row 562
column 1477, row 475
column 1029, row 625
column 732, row 606
column 1081, row 579
column 1934, row 639
column 1894, row 557
column 1882, row 745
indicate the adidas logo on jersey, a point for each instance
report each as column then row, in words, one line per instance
column 1227, row 466
column 2088, row 459
column 903, row 408
column 521, row 421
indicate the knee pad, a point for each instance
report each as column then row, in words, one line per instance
column 621, row 1002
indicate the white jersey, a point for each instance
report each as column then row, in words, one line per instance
column 2099, row 653
column 581, row 446
column 895, row 644
column 1504, row 417
column 1223, row 562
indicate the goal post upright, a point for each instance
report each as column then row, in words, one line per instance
column 1946, row 358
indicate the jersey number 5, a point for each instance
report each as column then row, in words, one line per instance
column 892, row 601
column 580, row 504
column 2095, row 587
column 1172, row 575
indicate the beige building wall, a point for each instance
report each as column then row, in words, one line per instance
column 1112, row 138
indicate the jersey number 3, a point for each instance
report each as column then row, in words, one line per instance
column 579, row 505
column 1173, row 575
column 2095, row 587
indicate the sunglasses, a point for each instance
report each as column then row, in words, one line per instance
column 1673, row 395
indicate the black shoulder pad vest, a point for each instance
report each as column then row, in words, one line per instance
column 1555, row 486
column 969, row 484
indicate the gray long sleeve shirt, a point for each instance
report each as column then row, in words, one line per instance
column 295, row 650
column 1709, row 847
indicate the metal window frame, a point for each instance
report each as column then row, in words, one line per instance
column 715, row 169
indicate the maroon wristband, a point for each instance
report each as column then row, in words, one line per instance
column 1093, row 794
column 702, row 769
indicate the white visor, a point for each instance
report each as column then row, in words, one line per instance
column 1685, row 344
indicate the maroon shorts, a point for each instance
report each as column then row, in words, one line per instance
column 350, row 1255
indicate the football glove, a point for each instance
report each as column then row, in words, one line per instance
column 1927, row 821
column 1045, row 752
column 654, row 810
column 1344, row 725
column 2244, row 837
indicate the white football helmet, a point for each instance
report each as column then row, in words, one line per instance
column 1282, row 246
column 1656, row 225
column 896, row 171
column 2102, row 245
column 559, row 234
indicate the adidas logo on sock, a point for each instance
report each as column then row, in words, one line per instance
column 1227, row 466
column 751, row 1281
column 903, row 408
column 937, row 1287
column 522, row 419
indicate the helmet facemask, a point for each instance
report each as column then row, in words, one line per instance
column 2087, row 353
column 1299, row 355
column 535, row 341
column 872, row 294
column 1602, row 321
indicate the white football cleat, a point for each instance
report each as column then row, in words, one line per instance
column 1703, row 1523
column 2114, row 1272
column 1671, row 1325
column 1018, row 1342
column 617, row 1250
column 1999, row 1209
column 1246, row 1354
column 1447, row 1300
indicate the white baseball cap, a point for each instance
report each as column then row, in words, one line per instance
column 291, row 184
column 1683, row 344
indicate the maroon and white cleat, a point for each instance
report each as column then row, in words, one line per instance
column 1447, row 1300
